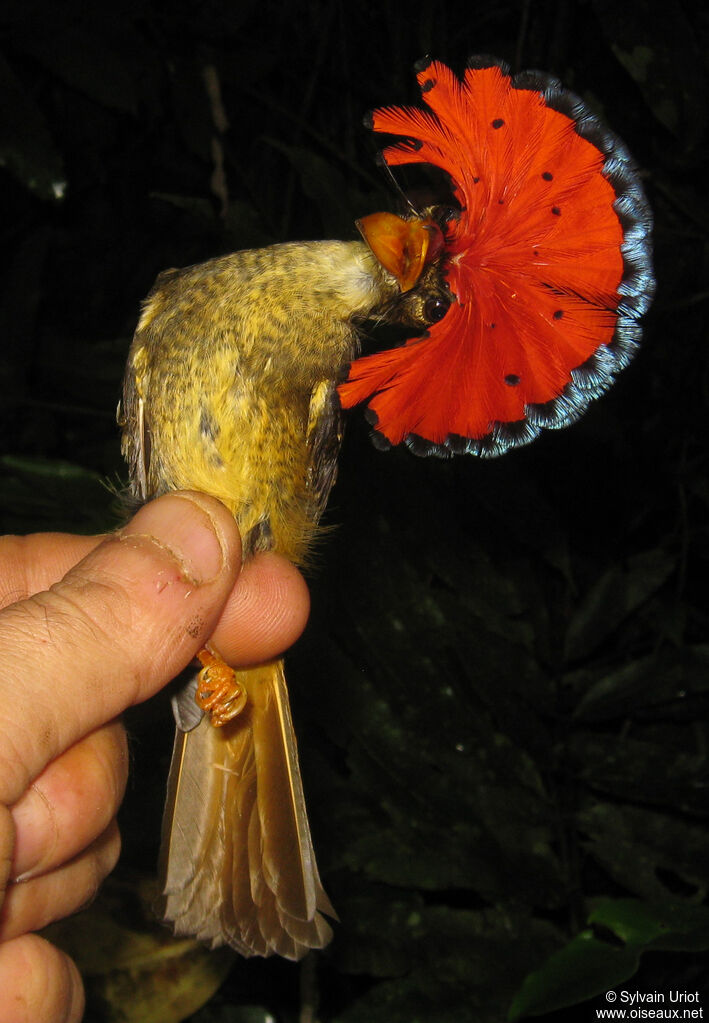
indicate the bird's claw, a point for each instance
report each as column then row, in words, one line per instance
column 218, row 692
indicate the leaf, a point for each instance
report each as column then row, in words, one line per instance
column 650, row 681
column 27, row 148
column 462, row 965
column 422, row 762
column 20, row 296
column 381, row 929
column 322, row 182
column 104, row 57
column 617, row 593
column 587, row 966
column 650, row 853
column 658, row 925
column 131, row 965
column 647, row 48
column 581, row 970
column 640, row 770
column 40, row 494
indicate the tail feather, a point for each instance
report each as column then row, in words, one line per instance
column 238, row 865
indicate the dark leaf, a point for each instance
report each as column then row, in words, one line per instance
column 27, row 148
column 643, row 771
column 105, row 58
column 672, row 925
column 133, row 968
column 39, row 494
column 646, row 47
column 652, row 854
column 618, row 592
column 584, row 968
column 657, row 679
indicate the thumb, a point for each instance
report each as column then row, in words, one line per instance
column 116, row 628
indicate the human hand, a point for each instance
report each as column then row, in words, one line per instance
column 88, row 627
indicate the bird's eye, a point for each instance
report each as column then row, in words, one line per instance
column 436, row 308
column 446, row 213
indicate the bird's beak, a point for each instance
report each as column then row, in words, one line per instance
column 403, row 247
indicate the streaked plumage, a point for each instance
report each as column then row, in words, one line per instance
column 230, row 389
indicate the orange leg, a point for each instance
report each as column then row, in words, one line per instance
column 218, row 692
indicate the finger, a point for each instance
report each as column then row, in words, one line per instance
column 265, row 614
column 70, row 803
column 31, row 905
column 32, row 563
column 39, row 984
column 114, row 630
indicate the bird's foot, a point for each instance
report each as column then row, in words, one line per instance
column 218, row 692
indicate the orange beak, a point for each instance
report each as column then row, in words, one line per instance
column 403, row 247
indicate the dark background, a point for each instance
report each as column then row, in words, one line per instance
column 501, row 698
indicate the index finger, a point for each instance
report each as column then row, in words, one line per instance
column 29, row 564
column 115, row 629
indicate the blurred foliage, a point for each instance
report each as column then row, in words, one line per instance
column 133, row 969
column 501, row 699
column 588, row 967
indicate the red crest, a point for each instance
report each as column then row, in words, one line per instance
column 548, row 263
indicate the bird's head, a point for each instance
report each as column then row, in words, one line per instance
column 409, row 249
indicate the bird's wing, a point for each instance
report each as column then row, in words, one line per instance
column 324, row 437
column 134, row 423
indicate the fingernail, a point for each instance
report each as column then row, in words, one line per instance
column 182, row 525
column 34, row 820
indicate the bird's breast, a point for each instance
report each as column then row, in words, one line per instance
column 226, row 361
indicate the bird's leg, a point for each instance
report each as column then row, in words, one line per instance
column 218, row 692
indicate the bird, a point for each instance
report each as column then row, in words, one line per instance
column 520, row 295
column 230, row 389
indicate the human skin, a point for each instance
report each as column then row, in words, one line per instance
column 88, row 627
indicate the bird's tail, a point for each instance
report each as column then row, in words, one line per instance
column 238, row 866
